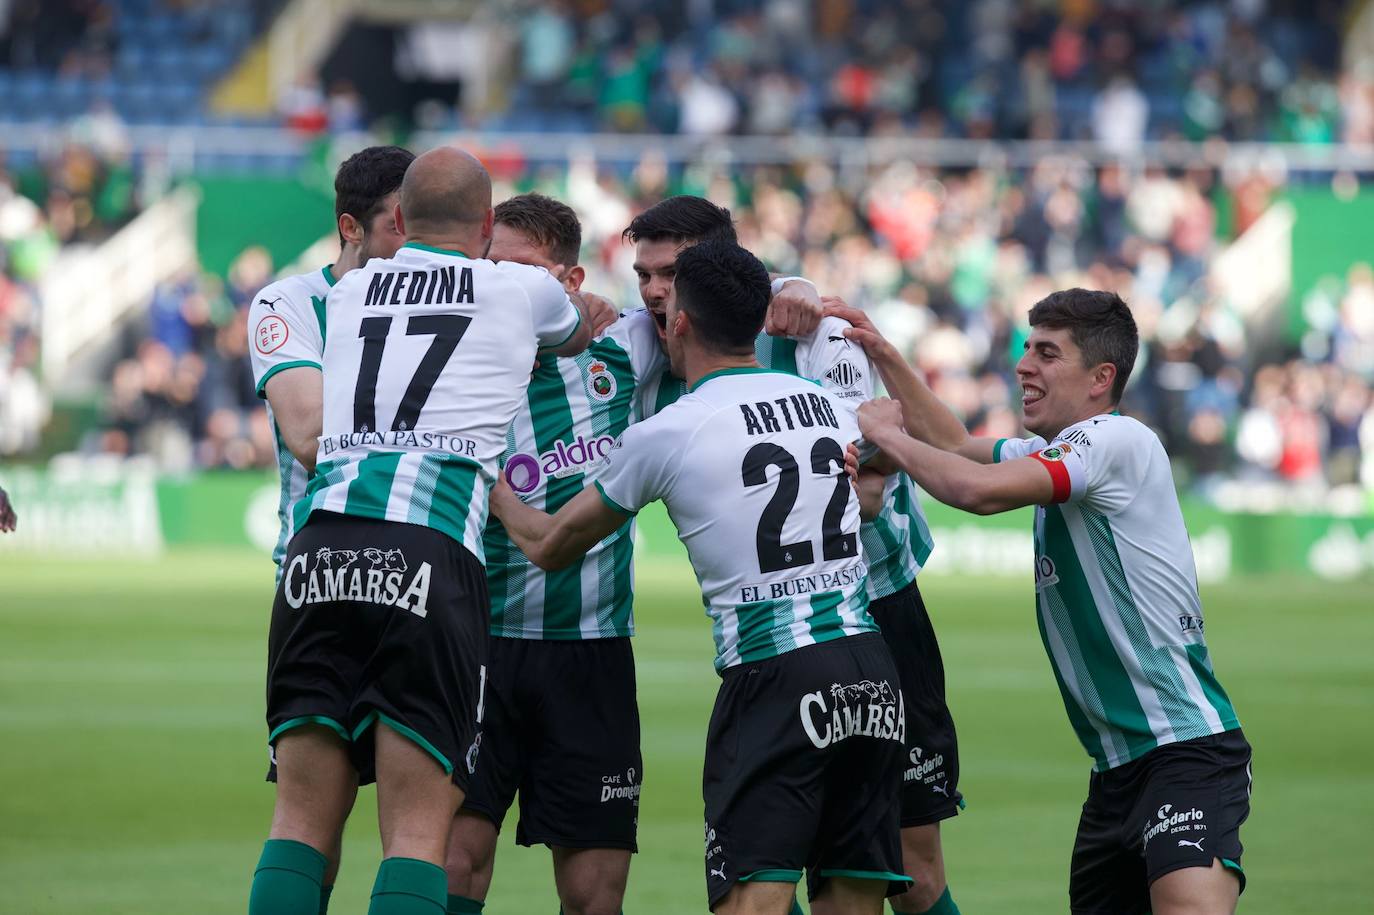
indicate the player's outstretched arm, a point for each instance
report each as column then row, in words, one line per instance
column 581, row 338
column 297, row 399
column 558, row 540
column 7, row 516
column 983, row 489
column 925, row 416
column 795, row 310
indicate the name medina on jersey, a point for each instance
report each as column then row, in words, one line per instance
column 524, row 471
column 863, row 709
column 372, row 576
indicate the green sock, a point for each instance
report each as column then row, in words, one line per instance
column 408, row 886
column 324, row 898
column 943, row 906
column 287, row 880
column 462, row 905
column 796, row 908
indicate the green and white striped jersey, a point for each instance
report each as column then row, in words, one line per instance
column 750, row 464
column 897, row 543
column 571, row 416
column 426, row 361
column 286, row 328
column 1116, row 592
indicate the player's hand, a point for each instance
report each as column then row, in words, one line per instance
column 796, row 311
column 851, row 464
column 863, row 331
column 7, row 516
column 878, row 417
column 600, row 312
column 501, row 494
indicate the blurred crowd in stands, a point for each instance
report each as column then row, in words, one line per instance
column 1114, row 71
column 948, row 259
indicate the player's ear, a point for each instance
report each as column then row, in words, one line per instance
column 1104, row 376
column 400, row 221
column 488, row 224
column 350, row 229
column 573, row 277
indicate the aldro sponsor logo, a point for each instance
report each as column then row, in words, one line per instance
column 618, row 787
column 371, row 575
column 1171, row 821
column 863, row 709
column 524, row 471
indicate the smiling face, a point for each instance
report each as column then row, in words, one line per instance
column 1058, row 390
column 655, row 266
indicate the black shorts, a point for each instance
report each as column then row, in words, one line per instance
column 930, row 777
column 803, row 763
column 378, row 621
column 1178, row 806
column 561, row 726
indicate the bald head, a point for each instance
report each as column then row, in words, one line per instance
column 444, row 190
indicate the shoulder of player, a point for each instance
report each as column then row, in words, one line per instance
column 525, row 275
column 1109, row 429
column 288, row 295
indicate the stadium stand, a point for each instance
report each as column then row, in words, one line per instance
column 948, row 255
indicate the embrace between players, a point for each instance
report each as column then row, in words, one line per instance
column 453, row 610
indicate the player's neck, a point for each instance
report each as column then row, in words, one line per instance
column 699, row 364
column 466, row 243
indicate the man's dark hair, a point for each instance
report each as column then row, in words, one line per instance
column 1100, row 325
column 725, row 291
column 682, row 218
column 365, row 179
column 549, row 223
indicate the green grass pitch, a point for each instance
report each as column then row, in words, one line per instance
column 131, row 743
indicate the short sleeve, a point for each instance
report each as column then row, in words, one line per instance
column 842, row 368
column 1101, row 463
column 1009, row 449
column 635, row 334
column 284, row 333
column 555, row 317
column 641, row 465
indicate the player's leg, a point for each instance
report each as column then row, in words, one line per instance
column 1197, row 795
column 857, row 858
column 493, row 784
column 335, row 855
column 316, row 783
column 420, row 708
column 316, row 651
column 591, row 881
column 930, row 777
column 1196, row 891
column 580, row 792
column 758, row 897
column 471, row 861
column 846, row 896
column 923, row 860
column 416, row 801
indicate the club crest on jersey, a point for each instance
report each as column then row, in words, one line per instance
column 846, row 375
column 1055, row 453
column 271, row 334
column 601, row 383
column 863, row 709
column 371, row 575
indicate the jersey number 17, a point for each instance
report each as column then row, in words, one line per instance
column 447, row 330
